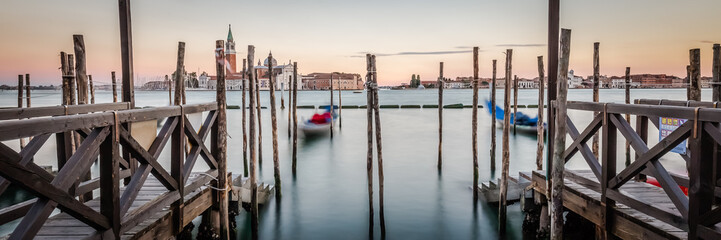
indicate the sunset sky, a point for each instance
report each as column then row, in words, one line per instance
column 409, row 37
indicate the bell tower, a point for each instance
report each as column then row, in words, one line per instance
column 230, row 54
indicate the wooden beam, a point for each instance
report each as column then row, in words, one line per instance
column 126, row 52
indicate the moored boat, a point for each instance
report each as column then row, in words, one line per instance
column 523, row 123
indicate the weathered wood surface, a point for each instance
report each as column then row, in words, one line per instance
column 695, row 74
column 178, row 77
column 493, row 115
column 115, row 86
column 489, row 191
column 506, row 152
column 582, row 196
column 155, row 226
column 716, row 73
column 596, row 81
column 274, row 128
column 539, row 125
column 440, row 117
column 557, row 166
column 35, row 112
column 474, row 124
column 81, row 76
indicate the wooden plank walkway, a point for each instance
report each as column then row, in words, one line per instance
column 157, row 226
column 489, row 192
column 582, row 196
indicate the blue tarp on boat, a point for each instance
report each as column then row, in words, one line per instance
column 522, row 118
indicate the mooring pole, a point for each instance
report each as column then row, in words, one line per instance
column 92, row 89
column 474, row 125
column 553, row 33
column 716, row 73
column 596, row 80
column 290, row 103
column 27, row 92
column 340, row 102
column 71, row 78
column 506, row 155
column 260, row 125
column 695, row 74
column 515, row 102
column 178, row 77
column 274, row 127
column 80, row 74
column 220, row 144
column 332, row 108
column 493, row 118
column 169, row 83
column 539, row 123
column 379, row 146
column 560, row 139
column 115, row 85
column 20, row 103
column 369, row 160
column 253, row 184
column 243, row 84
column 295, row 115
column 126, row 52
column 66, row 81
column 440, row 117
column 628, row 116
column 20, row 90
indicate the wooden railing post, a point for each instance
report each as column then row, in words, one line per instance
column 701, row 183
column 607, row 173
column 110, row 180
column 177, row 160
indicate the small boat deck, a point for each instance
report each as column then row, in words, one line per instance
column 582, row 195
column 155, row 226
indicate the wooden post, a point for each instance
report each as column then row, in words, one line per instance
column 379, row 146
column 688, row 82
column 628, row 116
column 560, row 139
column 340, row 102
column 20, row 90
column 71, row 78
column 290, row 104
column 440, row 117
column 126, row 52
column 474, row 124
column 27, row 91
column 282, row 91
column 554, row 7
column 506, row 155
column 178, row 77
column 260, row 125
column 332, row 108
column 716, row 73
column 20, row 103
column 539, row 124
column 182, row 85
column 220, row 148
column 115, row 86
column 596, row 80
column 274, row 127
column 80, row 74
column 515, row 102
column 295, row 115
column 66, row 79
column 81, row 79
column 244, row 80
column 695, row 74
column 169, row 83
column 92, row 89
column 493, row 118
column 369, row 157
column 251, row 137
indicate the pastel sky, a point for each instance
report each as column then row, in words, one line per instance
column 409, row 36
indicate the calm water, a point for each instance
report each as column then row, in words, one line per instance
column 327, row 199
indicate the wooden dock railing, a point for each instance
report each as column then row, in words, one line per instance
column 695, row 212
column 103, row 135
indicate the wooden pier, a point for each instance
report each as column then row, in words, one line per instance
column 145, row 207
column 620, row 203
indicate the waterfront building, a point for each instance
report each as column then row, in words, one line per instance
column 344, row 81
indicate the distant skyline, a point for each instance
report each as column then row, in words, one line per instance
column 409, row 37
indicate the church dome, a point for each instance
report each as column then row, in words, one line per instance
column 265, row 62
